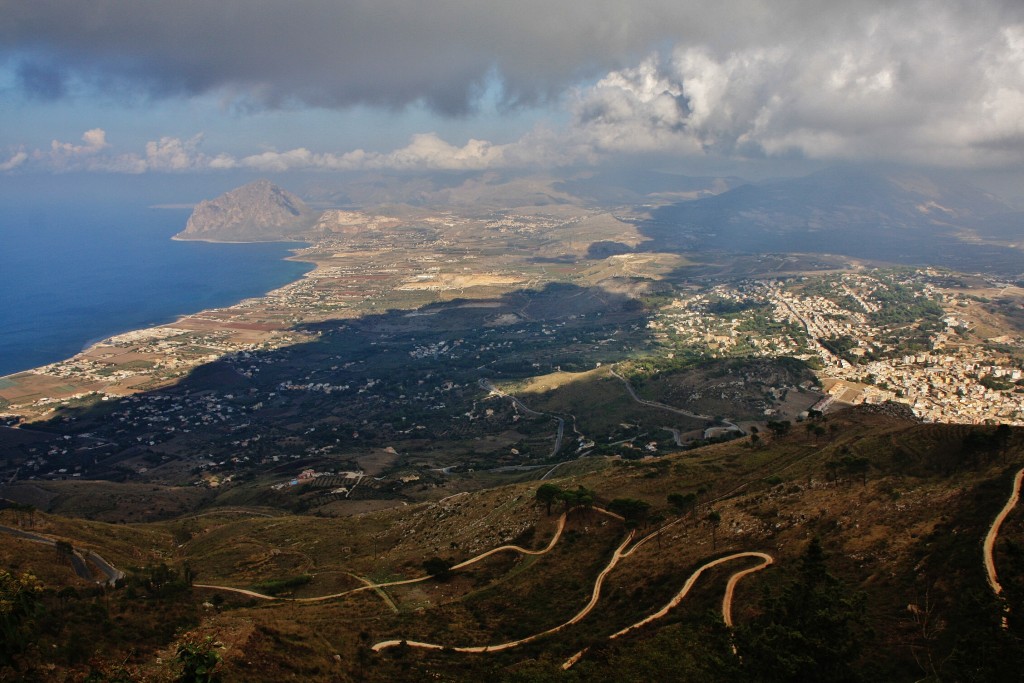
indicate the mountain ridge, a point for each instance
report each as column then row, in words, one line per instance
column 895, row 216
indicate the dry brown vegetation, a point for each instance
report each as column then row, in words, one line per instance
column 908, row 530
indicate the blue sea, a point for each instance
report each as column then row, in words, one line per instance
column 72, row 275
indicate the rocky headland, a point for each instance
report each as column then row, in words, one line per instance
column 257, row 212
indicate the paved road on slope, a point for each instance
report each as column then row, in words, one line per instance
column 662, row 406
column 486, row 384
column 78, row 557
column 993, row 533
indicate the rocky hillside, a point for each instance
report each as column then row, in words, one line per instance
column 257, row 212
column 872, row 523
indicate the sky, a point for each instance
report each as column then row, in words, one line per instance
column 132, row 87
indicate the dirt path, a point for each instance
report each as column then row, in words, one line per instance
column 620, row 553
column 684, row 591
column 595, row 596
column 993, row 534
column 730, row 587
column 376, row 587
column 233, row 511
column 381, row 593
column 517, row 549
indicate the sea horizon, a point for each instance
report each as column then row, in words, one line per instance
column 76, row 274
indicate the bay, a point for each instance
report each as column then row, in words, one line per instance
column 71, row 275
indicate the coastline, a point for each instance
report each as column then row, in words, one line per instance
column 50, row 384
column 179, row 238
column 99, row 340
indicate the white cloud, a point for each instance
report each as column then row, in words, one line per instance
column 168, row 154
column 425, row 151
column 428, row 151
column 16, row 160
column 174, row 154
column 69, row 156
column 930, row 82
column 300, row 158
column 912, row 95
column 946, row 91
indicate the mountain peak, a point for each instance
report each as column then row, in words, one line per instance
column 259, row 211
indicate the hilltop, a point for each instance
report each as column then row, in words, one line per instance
column 257, row 212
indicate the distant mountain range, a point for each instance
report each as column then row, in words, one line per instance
column 893, row 216
column 902, row 217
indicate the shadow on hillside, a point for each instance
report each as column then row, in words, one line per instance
column 410, row 376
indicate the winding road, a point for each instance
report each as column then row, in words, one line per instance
column 595, row 596
column 376, row 587
column 990, row 542
column 619, row 554
column 662, row 406
column 486, row 384
column 78, row 557
column 730, row 588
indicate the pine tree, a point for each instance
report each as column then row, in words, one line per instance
column 813, row 630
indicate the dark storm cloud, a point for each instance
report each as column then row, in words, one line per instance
column 40, row 81
column 929, row 82
column 337, row 53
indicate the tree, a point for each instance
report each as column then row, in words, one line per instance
column 580, row 497
column 64, row 551
column 813, row 630
column 814, row 429
column 696, row 650
column 19, row 605
column 682, row 503
column 985, row 649
column 198, row 660
column 438, row 568
column 585, row 498
column 714, row 518
column 859, row 466
column 548, row 494
column 24, row 513
column 656, row 520
column 632, row 510
column 1002, row 435
column 159, row 581
column 66, row 595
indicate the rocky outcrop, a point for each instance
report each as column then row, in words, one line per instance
column 257, row 212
